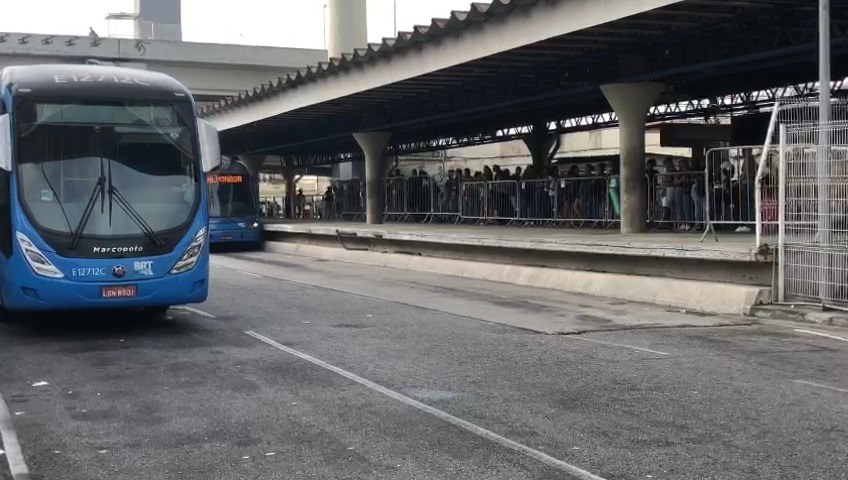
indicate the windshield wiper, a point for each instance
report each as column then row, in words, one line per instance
column 86, row 214
column 99, row 188
column 103, row 187
column 115, row 194
column 56, row 196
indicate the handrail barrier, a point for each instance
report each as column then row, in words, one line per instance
column 551, row 201
column 502, row 200
column 350, row 203
column 677, row 200
column 741, row 193
column 537, row 201
column 447, row 195
column 395, row 200
column 473, row 204
column 583, row 201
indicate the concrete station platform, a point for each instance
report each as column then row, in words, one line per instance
column 728, row 276
column 729, row 247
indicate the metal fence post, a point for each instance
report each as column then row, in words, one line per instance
column 760, row 169
column 781, row 218
column 822, row 162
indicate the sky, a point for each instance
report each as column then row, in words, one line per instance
column 279, row 23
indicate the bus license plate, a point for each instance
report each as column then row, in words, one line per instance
column 122, row 291
column 226, row 237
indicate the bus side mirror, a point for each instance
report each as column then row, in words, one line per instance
column 5, row 143
column 210, row 148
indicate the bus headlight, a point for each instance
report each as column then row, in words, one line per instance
column 192, row 253
column 37, row 260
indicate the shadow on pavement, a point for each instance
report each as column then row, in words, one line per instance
column 94, row 325
column 236, row 248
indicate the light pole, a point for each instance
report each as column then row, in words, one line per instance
column 324, row 13
column 394, row 15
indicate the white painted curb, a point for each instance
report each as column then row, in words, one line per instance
column 697, row 296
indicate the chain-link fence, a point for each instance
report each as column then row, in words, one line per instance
column 813, row 213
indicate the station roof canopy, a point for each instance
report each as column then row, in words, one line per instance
column 489, row 73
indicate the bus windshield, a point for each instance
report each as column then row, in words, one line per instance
column 231, row 195
column 134, row 161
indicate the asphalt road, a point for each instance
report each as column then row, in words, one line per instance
column 342, row 381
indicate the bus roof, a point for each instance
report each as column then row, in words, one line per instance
column 91, row 81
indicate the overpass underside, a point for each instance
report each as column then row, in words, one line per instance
column 700, row 49
column 694, row 55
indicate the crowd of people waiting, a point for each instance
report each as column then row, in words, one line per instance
column 587, row 193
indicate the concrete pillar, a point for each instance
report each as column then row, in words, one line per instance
column 631, row 102
column 347, row 27
column 542, row 145
column 159, row 20
column 373, row 144
column 291, row 187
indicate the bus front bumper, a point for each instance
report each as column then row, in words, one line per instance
column 240, row 235
column 32, row 292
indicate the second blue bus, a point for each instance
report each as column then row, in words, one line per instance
column 234, row 206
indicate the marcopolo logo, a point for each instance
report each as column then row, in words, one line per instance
column 107, row 250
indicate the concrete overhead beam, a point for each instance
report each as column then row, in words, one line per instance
column 546, row 20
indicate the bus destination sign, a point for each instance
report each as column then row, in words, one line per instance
column 224, row 179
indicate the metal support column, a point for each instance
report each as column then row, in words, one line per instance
column 823, row 154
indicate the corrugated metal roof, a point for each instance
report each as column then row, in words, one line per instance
column 420, row 34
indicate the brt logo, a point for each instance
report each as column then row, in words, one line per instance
column 143, row 268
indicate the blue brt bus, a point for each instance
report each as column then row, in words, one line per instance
column 233, row 205
column 102, row 202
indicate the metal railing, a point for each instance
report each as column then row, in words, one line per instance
column 502, row 200
column 473, row 203
column 537, row 201
column 735, row 199
column 552, row 201
column 311, row 207
column 349, row 199
column 677, row 200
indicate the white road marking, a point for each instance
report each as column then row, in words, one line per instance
column 251, row 274
column 14, row 455
column 821, row 385
column 821, row 334
column 477, row 430
column 646, row 350
column 195, row 311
